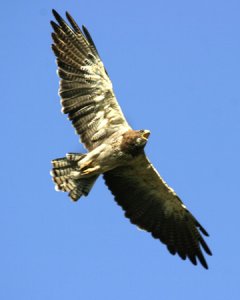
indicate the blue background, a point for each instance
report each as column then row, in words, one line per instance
column 175, row 68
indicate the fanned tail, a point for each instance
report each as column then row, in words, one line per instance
column 61, row 174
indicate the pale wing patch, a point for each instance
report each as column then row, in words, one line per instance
column 85, row 88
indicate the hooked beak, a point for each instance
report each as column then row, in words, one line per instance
column 146, row 134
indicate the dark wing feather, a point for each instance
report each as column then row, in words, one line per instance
column 85, row 88
column 153, row 206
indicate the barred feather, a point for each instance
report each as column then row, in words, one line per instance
column 84, row 80
column 61, row 173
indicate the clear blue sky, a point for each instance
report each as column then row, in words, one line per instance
column 175, row 67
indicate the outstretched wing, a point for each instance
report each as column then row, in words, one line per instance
column 85, row 88
column 153, row 206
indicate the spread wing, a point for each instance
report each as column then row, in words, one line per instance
column 85, row 88
column 153, row 206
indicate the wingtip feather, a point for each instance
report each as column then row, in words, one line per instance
column 55, row 14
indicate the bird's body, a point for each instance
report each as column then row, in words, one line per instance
column 114, row 148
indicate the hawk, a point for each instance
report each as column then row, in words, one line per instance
column 114, row 148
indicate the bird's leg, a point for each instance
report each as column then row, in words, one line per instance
column 89, row 171
column 86, row 172
column 88, row 167
column 85, row 165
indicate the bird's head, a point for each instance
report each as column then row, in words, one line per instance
column 134, row 141
column 141, row 137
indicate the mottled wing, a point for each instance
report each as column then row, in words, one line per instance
column 153, row 206
column 85, row 88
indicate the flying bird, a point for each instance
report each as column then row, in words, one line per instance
column 114, row 148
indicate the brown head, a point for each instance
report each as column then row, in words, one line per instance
column 134, row 141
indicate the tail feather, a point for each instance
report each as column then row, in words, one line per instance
column 61, row 173
column 60, row 163
column 75, row 156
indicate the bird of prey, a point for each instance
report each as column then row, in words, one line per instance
column 114, row 148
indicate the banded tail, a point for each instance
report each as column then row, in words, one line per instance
column 65, row 182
